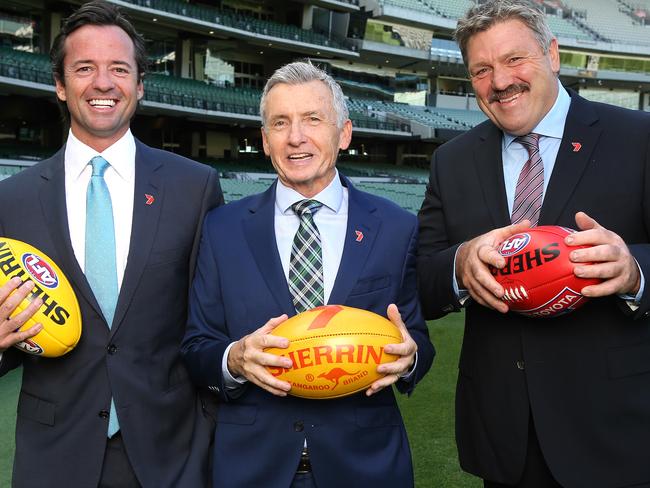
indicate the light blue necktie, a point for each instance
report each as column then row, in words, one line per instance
column 101, row 270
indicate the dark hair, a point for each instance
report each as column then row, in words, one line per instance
column 483, row 16
column 97, row 12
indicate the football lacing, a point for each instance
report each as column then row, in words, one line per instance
column 515, row 294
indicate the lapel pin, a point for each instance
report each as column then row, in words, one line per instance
column 150, row 199
column 359, row 235
column 576, row 146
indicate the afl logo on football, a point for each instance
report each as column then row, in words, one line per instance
column 40, row 270
column 514, row 244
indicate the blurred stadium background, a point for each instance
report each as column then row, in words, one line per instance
column 407, row 92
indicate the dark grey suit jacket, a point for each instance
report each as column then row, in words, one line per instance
column 165, row 423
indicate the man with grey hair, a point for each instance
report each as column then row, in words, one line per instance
column 251, row 275
column 563, row 401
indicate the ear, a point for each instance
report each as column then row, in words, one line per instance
column 345, row 137
column 60, row 90
column 554, row 55
column 265, row 143
column 140, row 88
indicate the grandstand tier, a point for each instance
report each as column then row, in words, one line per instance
column 402, row 74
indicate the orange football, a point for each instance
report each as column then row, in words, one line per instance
column 335, row 350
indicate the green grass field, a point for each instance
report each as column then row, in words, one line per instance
column 428, row 413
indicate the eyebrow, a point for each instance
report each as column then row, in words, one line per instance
column 91, row 61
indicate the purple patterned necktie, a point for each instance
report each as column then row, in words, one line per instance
column 530, row 185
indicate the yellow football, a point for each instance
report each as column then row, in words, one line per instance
column 59, row 313
column 335, row 350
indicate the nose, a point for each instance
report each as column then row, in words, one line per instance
column 103, row 80
column 296, row 133
column 501, row 77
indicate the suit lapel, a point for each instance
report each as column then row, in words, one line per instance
column 578, row 143
column 53, row 205
column 489, row 166
column 259, row 230
column 362, row 229
column 148, row 181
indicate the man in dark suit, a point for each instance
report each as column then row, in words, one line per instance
column 363, row 256
column 119, row 410
column 564, row 401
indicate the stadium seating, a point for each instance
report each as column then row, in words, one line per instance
column 244, row 23
column 407, row 196
column 234, row 189
column 609, row 20
column 565, row 28
column 24, row 153
column 452, row 9
column 196, row 94
column 25, row 66
column 417, row 175
column 468, row 118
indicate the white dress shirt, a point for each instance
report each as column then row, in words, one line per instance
column 120, row 179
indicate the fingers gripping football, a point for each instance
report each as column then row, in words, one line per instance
column 12, row 294
column 472, row 265
column 247, row 358
column 405, row 351
column 609, row 259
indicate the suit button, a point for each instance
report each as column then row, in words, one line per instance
column 520, row 365
column 112, row 349
column 103, row 414
column 299, row 426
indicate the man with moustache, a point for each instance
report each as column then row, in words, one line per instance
column 122, row 220
column 564, row 401
column 249, row 283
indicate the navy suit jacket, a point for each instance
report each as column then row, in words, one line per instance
column 585, row 376
column 61, row 431
column 239, row 285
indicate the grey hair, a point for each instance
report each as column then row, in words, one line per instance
column 300, row 72
column 483, row 16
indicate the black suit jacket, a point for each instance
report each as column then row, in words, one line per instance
column 60, row 434
column 586, row 375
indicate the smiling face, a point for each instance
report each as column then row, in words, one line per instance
column 514, row 81
column 101, row 84
column 301, row 137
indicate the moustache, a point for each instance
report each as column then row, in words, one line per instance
column 511, row 90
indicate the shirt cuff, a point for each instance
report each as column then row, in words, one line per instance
column 461, row 294
column 633, row 301
column 407, row 376
column 230, row 382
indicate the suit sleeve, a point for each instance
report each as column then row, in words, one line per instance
column 206, row 337
column 212, row 198
column 641, row 252
column 435, row 254
column 11, row 358
column 409, row 307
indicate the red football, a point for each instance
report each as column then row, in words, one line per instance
column 538, row 276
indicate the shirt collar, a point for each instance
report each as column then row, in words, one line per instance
column 120, row 155
column 552, row 125
column 331, row 196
